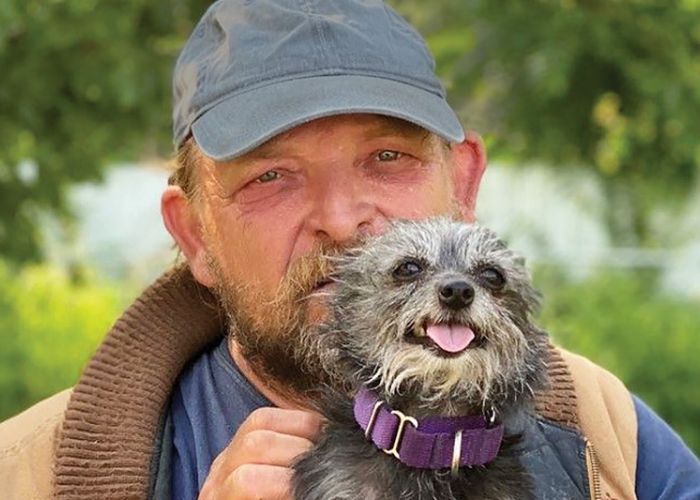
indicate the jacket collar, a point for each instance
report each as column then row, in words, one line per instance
column 108, row 435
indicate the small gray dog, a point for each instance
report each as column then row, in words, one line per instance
column 431, row 329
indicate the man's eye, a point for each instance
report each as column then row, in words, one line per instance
column 388, row 155
column 268, row 176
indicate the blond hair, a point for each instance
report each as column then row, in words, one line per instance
column 185, row 174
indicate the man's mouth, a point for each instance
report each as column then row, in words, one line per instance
column 324, row 286
column 445, row 339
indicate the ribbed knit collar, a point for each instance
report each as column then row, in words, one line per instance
column 107, row 440
column 110, row 426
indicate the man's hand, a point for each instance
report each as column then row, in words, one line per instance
column 256, row 463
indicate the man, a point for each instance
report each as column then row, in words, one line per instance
column 301, row 127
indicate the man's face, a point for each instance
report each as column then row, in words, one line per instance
column 269, row 216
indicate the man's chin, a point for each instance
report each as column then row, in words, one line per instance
column 277, row 334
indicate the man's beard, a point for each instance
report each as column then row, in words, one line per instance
column 276, row 335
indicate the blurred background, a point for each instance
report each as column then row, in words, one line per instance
column 589, row 109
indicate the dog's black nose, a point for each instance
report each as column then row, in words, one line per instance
column 456, row 294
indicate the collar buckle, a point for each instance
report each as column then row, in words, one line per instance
column 403, row 419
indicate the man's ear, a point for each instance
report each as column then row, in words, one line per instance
column 185, row 227
column 469, row 160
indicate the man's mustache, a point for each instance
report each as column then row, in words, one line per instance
column 313, row 269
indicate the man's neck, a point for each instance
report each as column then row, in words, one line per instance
column 275, row 397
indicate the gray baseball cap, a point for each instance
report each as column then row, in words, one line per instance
column 253, row 69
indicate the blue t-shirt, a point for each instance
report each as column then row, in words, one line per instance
column 209, row 403
column 666, row 468
column 212, row 398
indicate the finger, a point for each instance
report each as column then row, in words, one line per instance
column 299, row 423
column 270, row 448
column 258, row 447
column 249, row 481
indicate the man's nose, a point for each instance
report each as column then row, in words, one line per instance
column 342, row 211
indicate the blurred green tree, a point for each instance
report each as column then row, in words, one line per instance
column 49, row 327
column 612, row 86
column 619, row 320
column 82, row 83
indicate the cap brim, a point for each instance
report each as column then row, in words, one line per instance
column 242, row 122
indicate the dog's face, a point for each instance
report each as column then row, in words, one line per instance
column 438, row 312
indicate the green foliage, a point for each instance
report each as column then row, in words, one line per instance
column 82, row 83
column 649, row 341
column 49, row 327
column 610, row 85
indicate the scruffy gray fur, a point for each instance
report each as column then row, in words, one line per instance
column 387, row 290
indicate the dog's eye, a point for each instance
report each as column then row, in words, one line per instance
column 407, row 269
column 492, row 278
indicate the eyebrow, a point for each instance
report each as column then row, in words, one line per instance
column 397, row 126
column 387, row 127
column 266, row 151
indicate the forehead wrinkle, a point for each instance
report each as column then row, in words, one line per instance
column 280, row 147
column 276, row 147
column 388, row 126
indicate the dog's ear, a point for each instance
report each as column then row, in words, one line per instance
column 532, row 298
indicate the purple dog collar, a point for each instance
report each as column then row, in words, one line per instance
column 432, row 443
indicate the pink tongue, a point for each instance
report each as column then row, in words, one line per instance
column 450, row 338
